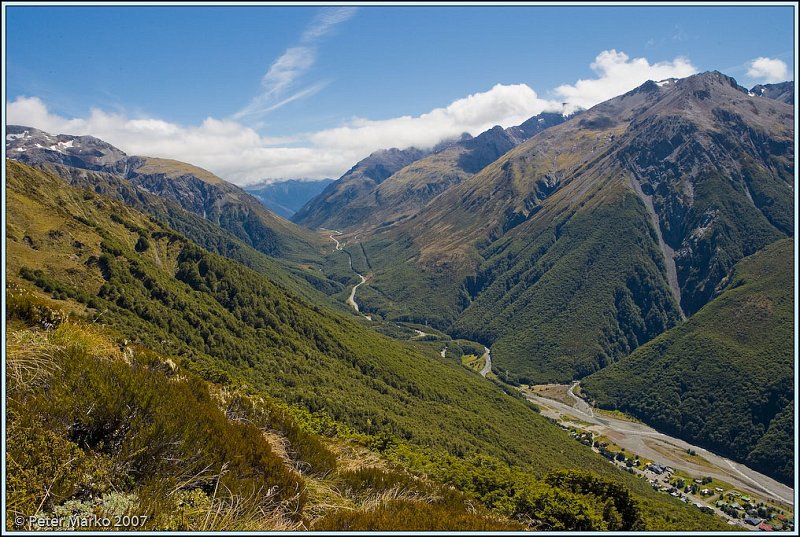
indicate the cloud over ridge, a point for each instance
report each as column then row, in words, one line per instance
column 240, row 154
column 768, row 70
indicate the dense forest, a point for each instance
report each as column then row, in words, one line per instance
column 724, row 379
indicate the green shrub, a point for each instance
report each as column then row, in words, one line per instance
column 409, row 515
column 101, row 422
column 307, row 450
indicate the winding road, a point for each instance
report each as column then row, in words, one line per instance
column 351, row 300
column 487, row 366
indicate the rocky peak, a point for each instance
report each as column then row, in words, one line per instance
column 34, row 146
column 380, row 164
column 782, row 91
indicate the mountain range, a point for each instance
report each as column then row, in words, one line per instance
column 642, row 247
column 574, row 248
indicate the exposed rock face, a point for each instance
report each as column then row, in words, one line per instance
column 717, row 162
column 783, row 91
column 33, row 146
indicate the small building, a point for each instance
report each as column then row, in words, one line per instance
column 719, row 489
column 656, row 468
column 764, row 527
column 753, row 521
column 705, row 492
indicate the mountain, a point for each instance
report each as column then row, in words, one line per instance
column 163, row 329
column 783, row 91
column 724, row 379
column 359, row 179
column 285, row 198
column 193, row 188
column 406, row 190
column 596, row 235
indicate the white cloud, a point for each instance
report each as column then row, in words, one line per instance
column 768, row 70
column 504, row 105
column 238, row 153
column 617, row 74
column 292, row 65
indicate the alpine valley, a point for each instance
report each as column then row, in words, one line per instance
column 178, row 351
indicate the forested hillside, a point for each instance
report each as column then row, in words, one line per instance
column 214, row 319
column 725, row 378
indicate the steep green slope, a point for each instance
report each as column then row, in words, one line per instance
column 100, row 427
column 595, row 235
column 116, row 266
column 288, row 274
column 228, row 206
column 575, row 296
column 724, row 378
column 92, row 429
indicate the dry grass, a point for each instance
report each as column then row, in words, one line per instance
column 173, row 168
column 556, row 392
column 351, row 456
column 30, row 358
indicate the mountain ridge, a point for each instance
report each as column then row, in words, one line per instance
column 403, row 192
column 716, row 163
column 194, row 188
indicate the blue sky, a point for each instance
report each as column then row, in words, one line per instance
column 254, row 92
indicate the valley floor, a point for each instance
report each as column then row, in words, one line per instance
column 647, row 443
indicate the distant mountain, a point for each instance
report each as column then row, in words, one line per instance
column 723, row 379
column 783, row 91
column 193, row 188
column 285, row 198
column 596, row 235
column 326, row 209
column 400, row 194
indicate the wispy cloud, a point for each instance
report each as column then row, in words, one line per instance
column 325, row 22
column 278, row 84
column 768, row 70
